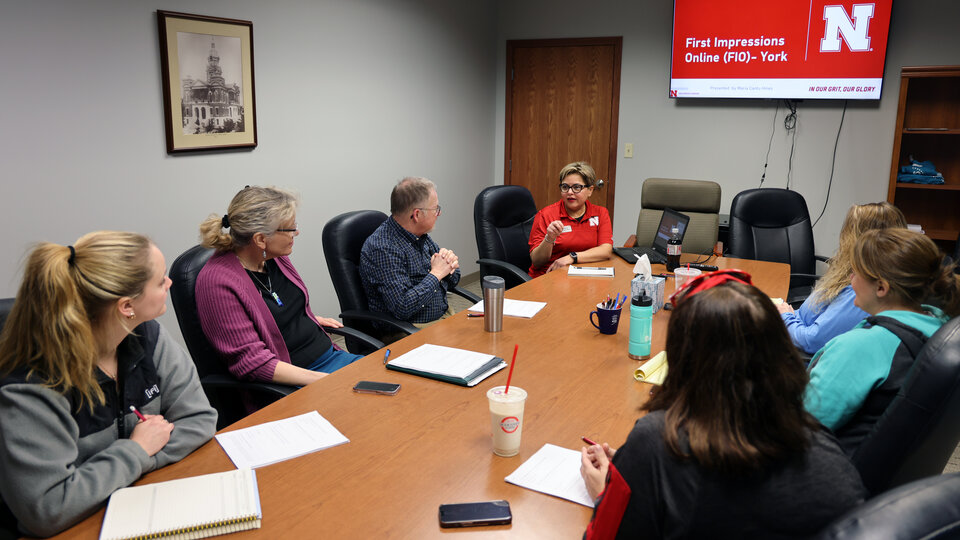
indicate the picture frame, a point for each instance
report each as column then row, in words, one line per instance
column 206, row 65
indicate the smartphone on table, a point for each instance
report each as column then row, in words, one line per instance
column 371, row 387
column 475, row 514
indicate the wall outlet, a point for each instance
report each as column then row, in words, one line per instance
column 628, row 150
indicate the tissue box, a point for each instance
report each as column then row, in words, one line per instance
column 652, row 287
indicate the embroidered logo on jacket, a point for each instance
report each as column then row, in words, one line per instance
column 152, row 391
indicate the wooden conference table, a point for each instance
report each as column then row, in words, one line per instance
column 430, row 444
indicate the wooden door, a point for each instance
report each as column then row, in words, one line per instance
column 562, row 103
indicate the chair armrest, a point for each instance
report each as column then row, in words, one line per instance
column 373, row 316
column 631, row 241
column 367, row 339
column 810, row 277
column 217, row 380
column 821, row 258
column 466, row 294
column 515, row 271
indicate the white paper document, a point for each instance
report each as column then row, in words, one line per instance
column 514, row 308
column 441, row 360
column 280, row 440
column 555, row 471
column 596, row 271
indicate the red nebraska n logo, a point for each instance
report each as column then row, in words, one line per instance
column 854, row 31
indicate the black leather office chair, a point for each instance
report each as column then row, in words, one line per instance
column 925, row 509
column 502, row 219
column 920, row 429
column 223, row 389
column 773, row 224
column 343, row 238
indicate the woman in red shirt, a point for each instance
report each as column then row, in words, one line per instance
column 571, row 230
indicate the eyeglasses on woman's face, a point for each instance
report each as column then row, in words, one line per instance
column 576, row 188
column 294, row 230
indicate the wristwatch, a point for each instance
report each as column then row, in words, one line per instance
column 573, row 255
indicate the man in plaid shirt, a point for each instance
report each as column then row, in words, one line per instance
column 404, row 272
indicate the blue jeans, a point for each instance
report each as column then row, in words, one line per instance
column 333, row 360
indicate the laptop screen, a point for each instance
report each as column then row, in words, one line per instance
column 669, row 220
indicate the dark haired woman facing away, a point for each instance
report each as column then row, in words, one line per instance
column 726, row 449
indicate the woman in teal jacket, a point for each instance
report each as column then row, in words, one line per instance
column 895, row 271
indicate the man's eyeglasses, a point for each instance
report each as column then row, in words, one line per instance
column 295, row 229
column 577, row 188
column 707, row 281
column 431, row 209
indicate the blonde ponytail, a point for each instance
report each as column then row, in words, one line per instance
column 212, row 234
column 64, row 295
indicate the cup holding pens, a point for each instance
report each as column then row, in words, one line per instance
column 607, row 319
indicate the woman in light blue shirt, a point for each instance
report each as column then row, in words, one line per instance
column 829, row 311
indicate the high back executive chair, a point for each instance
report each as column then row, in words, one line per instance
column 502, row 219
column 343, row 238
column 925, row 509
column 920, row 429
column 773, row 224
column 699, row 199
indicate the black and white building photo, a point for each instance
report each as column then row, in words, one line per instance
column 212, row 103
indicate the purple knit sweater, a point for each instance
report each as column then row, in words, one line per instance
column 237, row 321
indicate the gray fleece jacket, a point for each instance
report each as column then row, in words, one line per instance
column 59, row 461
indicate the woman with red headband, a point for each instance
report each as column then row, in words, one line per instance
column 726, row 449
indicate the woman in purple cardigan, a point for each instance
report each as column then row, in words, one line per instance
column 253, row 306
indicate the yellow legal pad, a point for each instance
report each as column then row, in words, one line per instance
column 654, row 370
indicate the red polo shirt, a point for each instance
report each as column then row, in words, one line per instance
column 588, row 231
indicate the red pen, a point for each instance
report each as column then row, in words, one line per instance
column 474, row 314
column 136, row 412
column 588, row 441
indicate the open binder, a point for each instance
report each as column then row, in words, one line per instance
column 447, row 364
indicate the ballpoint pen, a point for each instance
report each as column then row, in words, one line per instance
column 386, row 355
column 588, row 441
column 474, row 314
column 136, row 412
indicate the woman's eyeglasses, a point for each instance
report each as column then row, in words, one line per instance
column 296, row 228
column 707, row 281
column 577, row 188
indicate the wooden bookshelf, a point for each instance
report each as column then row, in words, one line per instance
column 928, row 128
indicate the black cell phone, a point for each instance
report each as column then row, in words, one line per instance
column 370, row 387
column 475, row 514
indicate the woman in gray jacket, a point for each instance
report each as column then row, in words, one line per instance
column 81, row 360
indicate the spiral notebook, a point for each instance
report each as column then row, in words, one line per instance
column 195, row 507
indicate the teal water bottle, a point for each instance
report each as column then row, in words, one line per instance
column 641, row 327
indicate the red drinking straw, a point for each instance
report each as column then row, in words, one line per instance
column 512, row 363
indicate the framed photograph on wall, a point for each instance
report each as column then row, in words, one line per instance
column 207, row 70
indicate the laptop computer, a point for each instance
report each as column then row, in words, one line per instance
column 658, row 251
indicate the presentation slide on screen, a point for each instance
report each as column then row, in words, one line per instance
column 796, row 49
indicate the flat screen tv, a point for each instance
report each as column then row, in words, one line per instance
column 780, row 49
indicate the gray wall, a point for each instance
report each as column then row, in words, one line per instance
column 351, row 96
column 726, row 140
